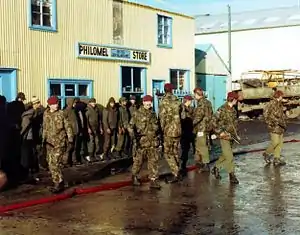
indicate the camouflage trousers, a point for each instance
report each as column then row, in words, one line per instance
column 151, row 154
column 171, row 153
column 202, row 151
column 226, row 159
column 55, row 162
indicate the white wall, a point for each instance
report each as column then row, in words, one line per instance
column 264, row 49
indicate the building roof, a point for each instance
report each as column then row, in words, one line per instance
column 158, row 6
column 201, row 52
column 270, row 18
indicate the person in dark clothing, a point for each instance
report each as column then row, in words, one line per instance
column 94, row 129
column 80, row 109
column 37, row 128
column 188, row 136
column 110, row 126
column 15, row 110
column 75, row 117
column 27, row 142
column 4, row 127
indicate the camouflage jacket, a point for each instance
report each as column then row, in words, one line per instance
column 274, row 117
column 202, row 116
column 57, row 130
column 225, row 120
column 124, row 117
column 170, row 114
column 144, row 128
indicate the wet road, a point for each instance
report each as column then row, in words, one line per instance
column 267, row 201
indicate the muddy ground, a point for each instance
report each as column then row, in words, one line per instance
column 266, row 201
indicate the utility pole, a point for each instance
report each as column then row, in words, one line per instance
column 229, row 46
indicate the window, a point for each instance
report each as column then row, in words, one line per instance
column 164, row 31
column 180, row 80
column 133, row 81
column 64, row 89
column 42, row 15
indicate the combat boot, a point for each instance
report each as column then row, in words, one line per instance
column 58, row 188
column 136, row 181
column 233, row 179
column 183, row 172
column 215, row 171
column 199, row 165
column 154, row 184
column 173, row 179
column 279, row 162
column 267, row 158
column 205, row 168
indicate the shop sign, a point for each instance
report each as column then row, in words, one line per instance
column 104, row 52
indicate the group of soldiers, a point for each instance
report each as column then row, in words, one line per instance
column 138, row 132
column 181, row 124
column 35, row 137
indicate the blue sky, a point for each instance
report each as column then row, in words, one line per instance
column 193, row 7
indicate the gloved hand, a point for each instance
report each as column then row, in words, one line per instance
column 225, row 136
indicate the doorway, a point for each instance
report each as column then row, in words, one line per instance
column 214, row 87
column 157, row 89
column 133, row 82
column 8, row 84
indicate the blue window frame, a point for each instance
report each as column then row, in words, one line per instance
column 180, row 79
column 67, row 88
column 42, row 15
column 133, row 81
column 164, row 31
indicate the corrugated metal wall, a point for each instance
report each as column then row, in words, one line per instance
column 265, row 49
column 40, row 55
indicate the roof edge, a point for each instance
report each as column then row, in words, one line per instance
column 158, row 9
column 243, row 12
column 245, row 29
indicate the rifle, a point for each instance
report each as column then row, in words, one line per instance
column 235, row 138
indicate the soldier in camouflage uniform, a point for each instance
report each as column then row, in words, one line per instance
column 225, row 122
column 202, row 128
column 187, row 137
column 276, row 121
column 170, row 121
column 57, row 135
column 143, row 129
column 123, row 142
column 94, row 124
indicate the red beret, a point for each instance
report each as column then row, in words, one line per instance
column 52, row 100
column 278, row 94
column 188, row 97
column 168, row 87
column 198, row 91
column 147, row 98
column 232, row 95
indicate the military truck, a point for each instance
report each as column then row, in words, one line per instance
column 258, row 86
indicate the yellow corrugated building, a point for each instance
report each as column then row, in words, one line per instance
column 94, row 48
